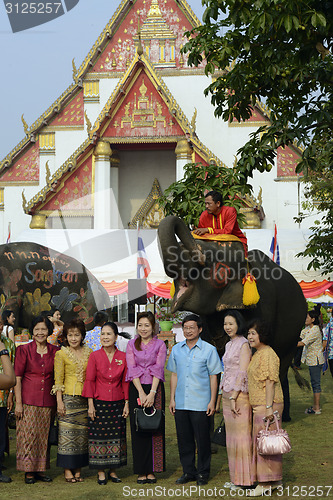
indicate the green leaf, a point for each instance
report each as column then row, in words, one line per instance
column 318, row 19
column 288, row 23
column 296, row 22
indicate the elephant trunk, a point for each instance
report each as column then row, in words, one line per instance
column 168, row 229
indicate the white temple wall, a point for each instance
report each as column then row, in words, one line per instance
column 213, row 132
column 66, row 142
column 137, row 172
column 13, row 210
column 106, row 87
column 92, row 109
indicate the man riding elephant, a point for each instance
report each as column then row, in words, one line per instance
column 219, row 219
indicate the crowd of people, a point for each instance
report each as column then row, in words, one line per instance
column 92, row 389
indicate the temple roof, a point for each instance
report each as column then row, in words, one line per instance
column 96, row 61
column 142, row 104
column 162, row 24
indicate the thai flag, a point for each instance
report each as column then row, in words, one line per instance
column 143, row 265
column 274, row 250
column 8, row 237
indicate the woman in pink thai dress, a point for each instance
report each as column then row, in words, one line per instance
column 237, row 410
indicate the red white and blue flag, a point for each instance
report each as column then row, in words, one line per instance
column 274, row 250
column 8, row 237
column 143, row 268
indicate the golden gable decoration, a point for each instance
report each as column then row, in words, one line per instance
column 149, row 214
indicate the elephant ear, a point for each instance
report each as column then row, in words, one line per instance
column 231, row 297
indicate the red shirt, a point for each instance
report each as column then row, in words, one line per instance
column 105, row 381
column 37, row 374
column 223, row 223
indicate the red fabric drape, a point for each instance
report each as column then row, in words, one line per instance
column 157, row 288
column 310, row 290
column 160, row 289
column 317, row 288
column 115, row 288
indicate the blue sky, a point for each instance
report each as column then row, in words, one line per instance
column 36, row 64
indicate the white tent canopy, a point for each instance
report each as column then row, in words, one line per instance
column 112, row 254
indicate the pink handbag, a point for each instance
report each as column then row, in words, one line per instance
column 273, row 442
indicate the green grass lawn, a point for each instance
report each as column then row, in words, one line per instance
column 310, row 463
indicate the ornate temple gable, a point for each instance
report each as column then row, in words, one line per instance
column 162, row 24
column 149, row 214
column 257, row 119
column 201, row 153
column 143, row 113
column 38, row 126
column 112, row 52
column 140, row 109
column 72, row 114
column 74, row 194
column 121, row 124
column 141, row 98
column 56, row 182
column 287, row 160
column 117, row 36
column 253, row 210
column 25, row 170
column 200, row 158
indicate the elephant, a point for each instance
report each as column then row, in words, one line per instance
column 35, row 278
column 208, row 281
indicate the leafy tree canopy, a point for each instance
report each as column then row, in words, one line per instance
column 278, row 52
column 318, row 194
column 185, row 198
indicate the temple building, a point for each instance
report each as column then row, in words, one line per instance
column 90, row 168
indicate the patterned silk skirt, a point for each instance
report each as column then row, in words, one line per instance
column 239, row 439
column 107, row 436
column 73, row 433
column 148, row 448
column 32, row 433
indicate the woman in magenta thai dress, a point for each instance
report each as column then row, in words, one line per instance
column 146, row 355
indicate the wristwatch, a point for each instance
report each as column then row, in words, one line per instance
column 4, row 352
column 269, row 406
column 232, row 399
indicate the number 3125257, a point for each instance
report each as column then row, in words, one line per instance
column 33, row 8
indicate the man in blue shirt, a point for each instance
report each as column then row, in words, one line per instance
column 195, row 365
column 92, row 338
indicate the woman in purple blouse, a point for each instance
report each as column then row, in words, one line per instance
column 237, row 410
column 145, row 356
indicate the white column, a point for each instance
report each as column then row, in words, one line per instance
column 114, row 172
column 102, row 193
column 184, row 155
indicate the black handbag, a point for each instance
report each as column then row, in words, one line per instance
column 11, row 420
column 219, row 436
column 147, row 422
column 53, row 433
